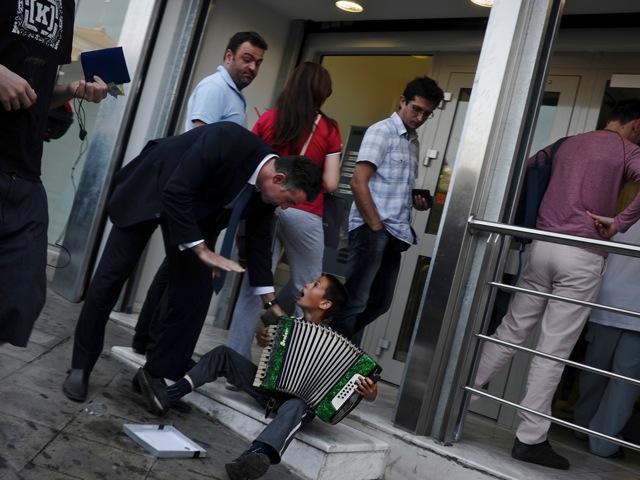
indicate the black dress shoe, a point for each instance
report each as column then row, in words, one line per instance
column 618, row 454
column 135, row 383
column 179, row 405
column 540, row 454
column 76, row 385
column 154, row 392
column 140, row 350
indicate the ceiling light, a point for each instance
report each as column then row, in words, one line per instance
column 347, row 6
column 483, row 3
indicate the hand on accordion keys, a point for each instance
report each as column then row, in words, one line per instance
column 263, row 337
column 367, row 388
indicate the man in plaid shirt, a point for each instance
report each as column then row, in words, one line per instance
column 380, row 219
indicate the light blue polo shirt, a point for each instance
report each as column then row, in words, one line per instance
column 215, row 99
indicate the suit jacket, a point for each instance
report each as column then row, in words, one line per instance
column 186, row 181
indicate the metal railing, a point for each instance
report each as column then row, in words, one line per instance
column 552, row 237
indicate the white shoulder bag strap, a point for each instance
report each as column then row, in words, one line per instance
column 303, row 150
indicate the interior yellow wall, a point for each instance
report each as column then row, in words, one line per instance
column 367, row 89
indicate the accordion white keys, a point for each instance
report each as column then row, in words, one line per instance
column 316, row 364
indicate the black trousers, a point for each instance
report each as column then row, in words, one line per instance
column 188, row 293
column 23, row 256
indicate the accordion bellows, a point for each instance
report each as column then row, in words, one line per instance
column 315, row 364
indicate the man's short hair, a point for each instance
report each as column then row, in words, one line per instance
column 423, row 87
column 626, row 111
column 239, row 38
column 336, row 293
column 302, row 174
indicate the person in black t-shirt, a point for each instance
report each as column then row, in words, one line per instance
column 35, row 38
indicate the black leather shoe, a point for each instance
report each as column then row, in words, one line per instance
column 76, row 385
column 178, row 405
column 140, row 350
column 181, row 406
column 618, row 454
column 155, row 392
column 540, row 454
column 135, row 383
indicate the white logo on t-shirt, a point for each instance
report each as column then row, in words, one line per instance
column 40, row 20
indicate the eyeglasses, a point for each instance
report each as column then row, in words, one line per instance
column 419, row 111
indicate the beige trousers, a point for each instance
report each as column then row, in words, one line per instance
column 560, row 270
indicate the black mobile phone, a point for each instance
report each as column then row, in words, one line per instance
column 426, row 194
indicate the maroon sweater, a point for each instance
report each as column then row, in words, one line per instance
column 588, row 173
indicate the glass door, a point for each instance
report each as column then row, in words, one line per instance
column 390, row 336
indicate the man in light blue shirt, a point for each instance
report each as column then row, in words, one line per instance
column 214, row 99
column 380, row 219
column 219, row 97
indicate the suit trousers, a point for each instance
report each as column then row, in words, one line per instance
column 122, row 251
column 223, row 361
column 187, row 294
column 606, row 404
column 559, row 270
column 151, row 309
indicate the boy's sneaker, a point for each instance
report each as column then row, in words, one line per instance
column 540, row 454
column 248, row 466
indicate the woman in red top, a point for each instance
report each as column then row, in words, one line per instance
column 296, row 126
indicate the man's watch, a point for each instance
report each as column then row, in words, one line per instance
column 270, row 304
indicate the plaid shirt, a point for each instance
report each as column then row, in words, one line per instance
column 394, row 151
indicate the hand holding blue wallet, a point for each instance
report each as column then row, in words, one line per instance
column 108, row 64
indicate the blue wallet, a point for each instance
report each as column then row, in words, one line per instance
column 108, row 64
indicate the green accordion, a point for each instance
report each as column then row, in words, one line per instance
column 315, row 364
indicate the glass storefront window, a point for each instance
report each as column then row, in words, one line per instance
column 98, row 25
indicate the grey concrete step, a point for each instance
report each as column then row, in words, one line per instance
column 324, row 451
column 319, row 451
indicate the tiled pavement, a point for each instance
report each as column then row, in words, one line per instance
column 44, row 435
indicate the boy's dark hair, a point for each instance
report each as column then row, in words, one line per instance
column 626, row 111
column 239, row 38
column 336, row 293
column 302, row 174
column 423, row 87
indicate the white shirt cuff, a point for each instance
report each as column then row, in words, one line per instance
column 263, row 290
column 185, row 246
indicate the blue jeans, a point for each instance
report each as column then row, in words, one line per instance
column 606, row 404
column 372, row 271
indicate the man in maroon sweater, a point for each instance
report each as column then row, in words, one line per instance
column 587, row 175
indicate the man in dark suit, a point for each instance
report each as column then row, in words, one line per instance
column 187, row 184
